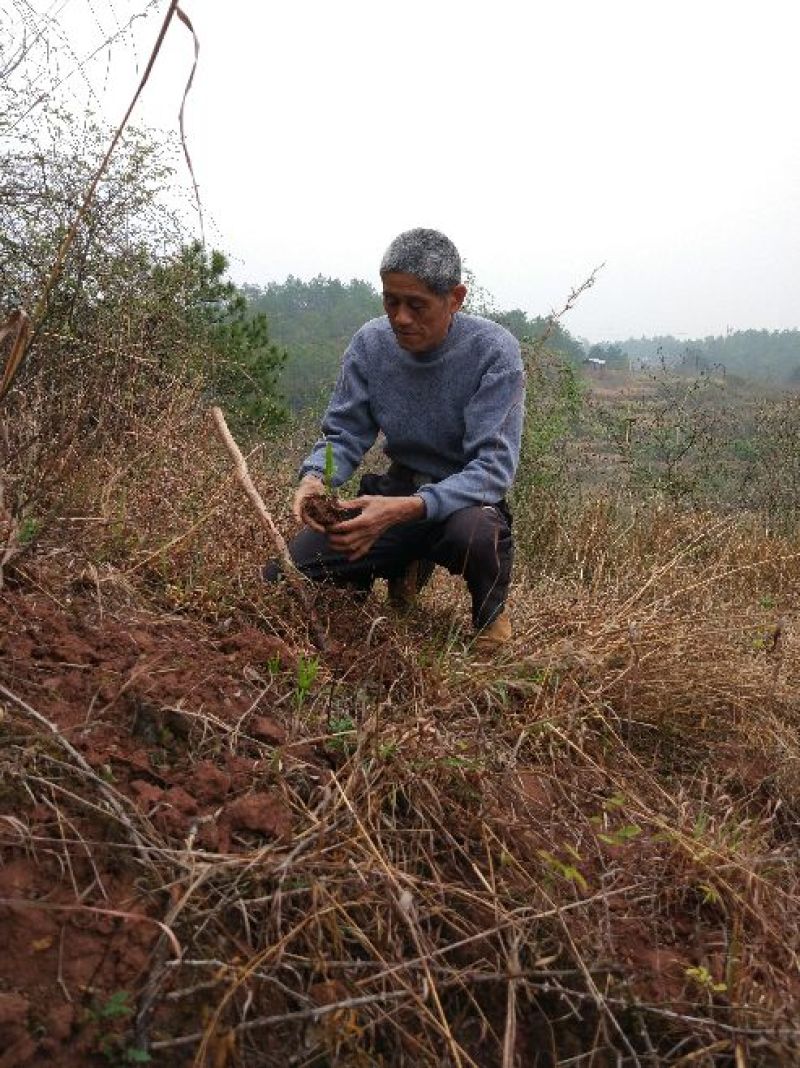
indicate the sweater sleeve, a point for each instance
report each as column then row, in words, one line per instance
column 348, row 425
column 493, row 430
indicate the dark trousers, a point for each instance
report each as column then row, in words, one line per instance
column 474, row 542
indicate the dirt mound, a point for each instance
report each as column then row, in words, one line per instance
column 216, row 848
column 179, row 722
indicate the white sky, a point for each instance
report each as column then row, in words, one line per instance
column 545, row 138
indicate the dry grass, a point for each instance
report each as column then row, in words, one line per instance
column 583, row 853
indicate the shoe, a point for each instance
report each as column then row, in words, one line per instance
column 404, row 588
column 495, row 635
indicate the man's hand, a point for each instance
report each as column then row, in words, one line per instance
column 355, row 537
column 310, row 486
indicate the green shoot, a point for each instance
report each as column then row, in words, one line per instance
column 307, row 668
column 329, row 467
column 28, row 530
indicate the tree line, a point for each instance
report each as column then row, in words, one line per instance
column 761, row 355
column 314, row 321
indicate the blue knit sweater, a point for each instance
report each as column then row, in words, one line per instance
column 454, row 414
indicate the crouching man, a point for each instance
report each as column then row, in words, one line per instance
column 447, row 391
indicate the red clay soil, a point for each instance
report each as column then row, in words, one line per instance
column 127, row 696
column 181, row 719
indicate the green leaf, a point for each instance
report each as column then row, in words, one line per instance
column 28, row 529
column 116, row 1006
column 570, row 872
column 137, row 1056
column 630, row 830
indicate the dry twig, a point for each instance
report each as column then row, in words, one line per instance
column 293, row 577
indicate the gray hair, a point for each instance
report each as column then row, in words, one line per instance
column 428, row 255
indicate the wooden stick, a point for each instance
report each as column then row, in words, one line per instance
column 9, row 534
column 293, row 576
column 17, row 327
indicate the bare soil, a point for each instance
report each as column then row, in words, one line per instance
column 77, row 922
column 309, row 842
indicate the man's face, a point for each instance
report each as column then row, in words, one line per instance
column 419, row 317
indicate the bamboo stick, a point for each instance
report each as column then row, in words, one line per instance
column 297, row 583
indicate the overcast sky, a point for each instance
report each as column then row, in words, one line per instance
column 545, row 138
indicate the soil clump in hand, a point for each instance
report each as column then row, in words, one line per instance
column 327, row 511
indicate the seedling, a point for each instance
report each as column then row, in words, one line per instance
column 114, row 1008
column 307, row 668
column 330, row 468
column 710, row 894
column 324, row 508
column 342, row 727
column 621, row 835
column 704, row 979
column 565, row 871
column 113, row 1046
column 28, row 529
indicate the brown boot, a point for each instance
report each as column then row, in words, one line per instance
column 494, row 636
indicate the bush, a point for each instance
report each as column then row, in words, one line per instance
column 136, row 313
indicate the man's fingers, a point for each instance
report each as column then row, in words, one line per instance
column 351, row 543
column 355, row 553
column 307, row 490
column 299, row 512
column 347, row 526
column 355, row 537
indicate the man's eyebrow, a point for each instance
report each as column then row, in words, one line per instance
column 403, row 296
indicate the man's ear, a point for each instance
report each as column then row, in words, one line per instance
column 457, row 296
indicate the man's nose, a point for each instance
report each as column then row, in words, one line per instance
column 403, row 316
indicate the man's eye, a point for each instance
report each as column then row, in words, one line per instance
column 415, row 305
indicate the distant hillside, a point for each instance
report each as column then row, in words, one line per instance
column 315, row 320
column 770, row 355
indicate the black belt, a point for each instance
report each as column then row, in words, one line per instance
column 407, row 475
